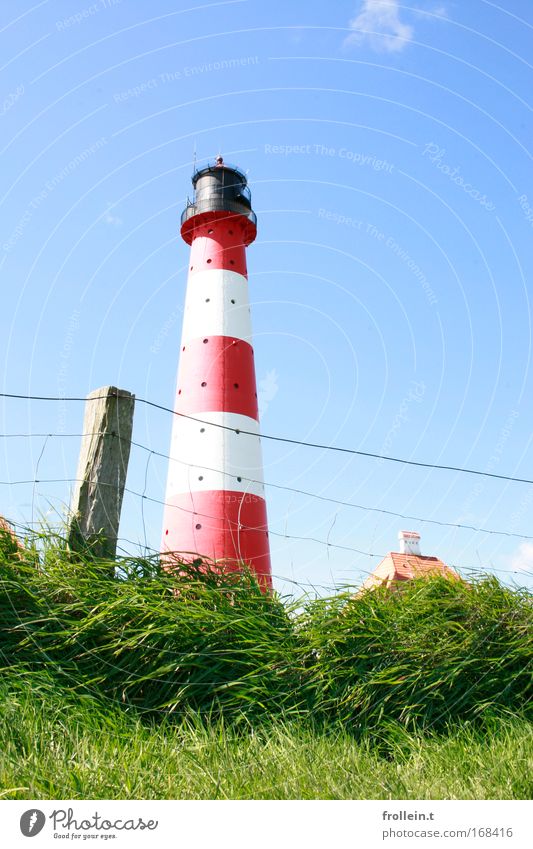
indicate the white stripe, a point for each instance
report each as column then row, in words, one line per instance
column 206, row 457
column 216, row 304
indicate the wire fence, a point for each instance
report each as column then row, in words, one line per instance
column 326, row 543
column 288, row 440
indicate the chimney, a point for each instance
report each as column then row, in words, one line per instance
column 409, row 542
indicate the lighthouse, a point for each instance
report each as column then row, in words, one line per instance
column 215, row 500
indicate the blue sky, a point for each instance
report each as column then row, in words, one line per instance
column 386, row 147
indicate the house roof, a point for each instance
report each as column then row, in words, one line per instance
column 405, row 567
column 6, row 528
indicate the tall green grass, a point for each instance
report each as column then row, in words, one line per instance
column 163, row 644
column 60, row 745
column 432, row 652
column 149, row 640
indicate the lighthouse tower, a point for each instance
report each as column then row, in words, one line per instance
column 215, row 500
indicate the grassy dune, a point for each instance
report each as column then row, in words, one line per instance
column 151, row 685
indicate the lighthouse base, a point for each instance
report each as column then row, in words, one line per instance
column 230, row 527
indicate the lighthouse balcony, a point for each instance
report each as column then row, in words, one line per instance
column 217, row 204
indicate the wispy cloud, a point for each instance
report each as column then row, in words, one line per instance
column 378, row 24
column 109, row 218
column 268, row 389
column 433, row 12
column 523, row 559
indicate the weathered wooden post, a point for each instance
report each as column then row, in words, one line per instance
column 102, row 468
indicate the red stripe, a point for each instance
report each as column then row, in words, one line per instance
column 219, row 244
column 223, row 525
column 217, row 374
column 243, row 230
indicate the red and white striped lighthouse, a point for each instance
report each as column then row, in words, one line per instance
column 215, row 500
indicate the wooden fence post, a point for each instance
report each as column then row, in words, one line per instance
column 105, row 450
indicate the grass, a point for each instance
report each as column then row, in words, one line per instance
column 57, row 746
column 196, row 685
column 433, row 652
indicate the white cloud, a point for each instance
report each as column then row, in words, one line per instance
column 267, row 391
column 523, row 560
column 432, row 12
column 378, row 24
column 111, row 219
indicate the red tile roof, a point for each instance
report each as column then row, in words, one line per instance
column 6, row 528
column 404, row 567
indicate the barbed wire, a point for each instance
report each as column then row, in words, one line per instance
column 239, row 526
column 282, row 487
column 284, row 439
column 329, row 545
